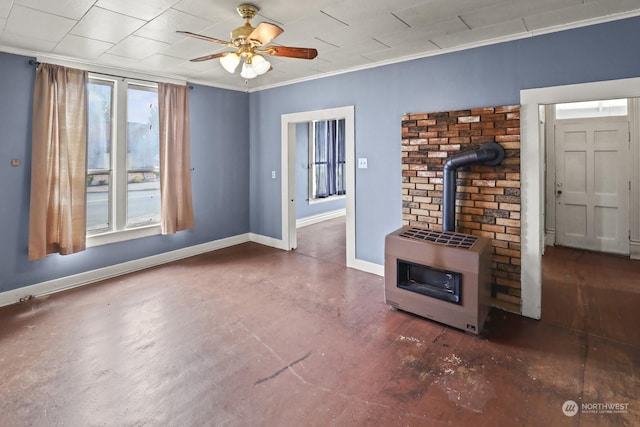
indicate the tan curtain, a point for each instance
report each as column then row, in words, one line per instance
column 175, row 159
column 57, row 215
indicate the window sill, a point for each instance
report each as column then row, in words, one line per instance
column 327, row 199
column 121, row 236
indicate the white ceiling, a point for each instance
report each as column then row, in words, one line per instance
column 140, row 35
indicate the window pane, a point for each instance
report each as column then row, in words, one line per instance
column 100, row 99
column 604, row 108
column 98, row 206
column 143, row 160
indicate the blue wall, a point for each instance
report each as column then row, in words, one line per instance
column 219, row 158
column 233, row 156
column 303, row 208
column 486, row 76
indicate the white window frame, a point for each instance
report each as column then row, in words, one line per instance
column 311, row 177
column 118, row 188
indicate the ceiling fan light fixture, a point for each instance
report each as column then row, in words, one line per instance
column 247, row 71
column 251, row 44
column 260, row 65
column 230, row 62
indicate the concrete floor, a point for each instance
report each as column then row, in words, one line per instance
column 253, row 336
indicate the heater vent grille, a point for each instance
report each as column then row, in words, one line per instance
column 445, row 238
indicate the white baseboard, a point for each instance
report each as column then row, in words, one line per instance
column 76, row 280
column 69, row 282
column 550, row 238
column 366, row 266
column 267, row 241
column 634, row 250
column 314, row 219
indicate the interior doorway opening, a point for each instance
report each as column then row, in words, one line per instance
column 588, row 179
column 288, row 173
column 532, row 154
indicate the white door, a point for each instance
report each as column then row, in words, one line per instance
column 592, row 185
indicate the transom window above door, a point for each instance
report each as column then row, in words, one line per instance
column 591, row 109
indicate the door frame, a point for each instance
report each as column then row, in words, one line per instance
column 532, row 155
column 287, row 172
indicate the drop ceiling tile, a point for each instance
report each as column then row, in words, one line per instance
column 22, row 42
column 361, row 31
column 480, row 35
column 141, row 9
column 408, row 37
column 34, row 24
column 164, row 27
column 81, row 47
column 357, row 11
column 214, row 70
column 355, row 49
column 403, row 52
column 313, row 24
column 221, row 29
column 432, row 12
column 137, row 47
column 120, row 62
column 435, row 29
column 197, row 67
column 214, row 11
column 2, row 23
column 190, row 48
column 408, row 42
column 105, row 25
column 5, row 7
column 158, row 60
column 285, row 12
column 511, row 10
column 73, row 9
column 590, row 10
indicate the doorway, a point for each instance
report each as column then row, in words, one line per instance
column 533, row 164
column 288, row 150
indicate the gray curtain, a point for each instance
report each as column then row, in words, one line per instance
column 329, row 158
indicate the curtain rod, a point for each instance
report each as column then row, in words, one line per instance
column 36, row 63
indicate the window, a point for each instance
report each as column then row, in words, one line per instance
column 327, row 160
column 123, row 161
column 589, row 109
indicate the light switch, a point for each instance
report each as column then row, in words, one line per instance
column 362, row 163
column 273, row 174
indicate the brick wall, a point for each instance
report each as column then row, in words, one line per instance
column 488, row 197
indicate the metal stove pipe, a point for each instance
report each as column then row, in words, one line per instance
column 490, row 154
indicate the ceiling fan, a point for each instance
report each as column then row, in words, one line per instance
column 249, row 43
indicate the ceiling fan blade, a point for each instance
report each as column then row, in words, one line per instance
column 208, row 57
column 201, row 37
column 292, row 52
column 265, row 32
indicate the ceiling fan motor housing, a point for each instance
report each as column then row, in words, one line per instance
column 247, row 11
column 240, row 34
